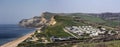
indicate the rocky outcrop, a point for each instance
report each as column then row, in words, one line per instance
column 52, row 21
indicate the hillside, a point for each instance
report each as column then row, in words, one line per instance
column 54, row 25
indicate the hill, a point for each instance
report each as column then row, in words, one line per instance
column 53, row 24
column 102, row 19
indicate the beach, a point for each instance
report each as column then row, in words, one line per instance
column 15, row 42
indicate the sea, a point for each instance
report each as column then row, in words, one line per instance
column 9, row 32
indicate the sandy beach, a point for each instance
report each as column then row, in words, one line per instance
column 14, row 43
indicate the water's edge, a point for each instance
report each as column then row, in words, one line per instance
column 16, row 41
column 10, row 33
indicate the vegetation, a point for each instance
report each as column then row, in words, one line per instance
column 101, row 44
column 46, row 45
column 115, row 43
column 97, row 20
column 112, row 23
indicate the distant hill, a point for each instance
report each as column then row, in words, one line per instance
column 107, row 16
column 108, row 19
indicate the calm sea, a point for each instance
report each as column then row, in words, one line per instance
column 9, row 32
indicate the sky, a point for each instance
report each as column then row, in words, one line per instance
column 12, row 11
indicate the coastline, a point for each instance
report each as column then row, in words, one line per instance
column 15, row 42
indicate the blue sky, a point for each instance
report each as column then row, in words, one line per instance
column 12, row 11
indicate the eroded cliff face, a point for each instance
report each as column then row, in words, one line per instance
column 38, row 21
column 52, row 21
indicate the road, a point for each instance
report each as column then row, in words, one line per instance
column 70, row 33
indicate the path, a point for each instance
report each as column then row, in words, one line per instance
column 70, row 33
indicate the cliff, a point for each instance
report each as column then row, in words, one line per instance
column 45, row 19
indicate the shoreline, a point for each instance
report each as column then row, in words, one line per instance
column 15, row 42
